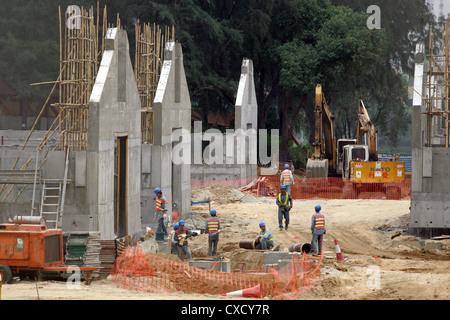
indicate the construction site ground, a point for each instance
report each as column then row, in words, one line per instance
column 383, row 261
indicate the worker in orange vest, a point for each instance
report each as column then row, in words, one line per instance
column 213, row 229
column 318, row 230
column 287, row 179
column 161, row 210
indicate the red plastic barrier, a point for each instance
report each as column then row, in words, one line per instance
column 137, row 270
column 317, row 188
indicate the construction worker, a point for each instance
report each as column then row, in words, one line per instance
column 213, row 229
column 182, row 234
column 284, row 203
column 286, row 178
column 172, row 242
column 161, row 210
column 265, row 240
column 318, row 230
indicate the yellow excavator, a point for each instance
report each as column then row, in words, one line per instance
column 325, row 159
column 355, row 160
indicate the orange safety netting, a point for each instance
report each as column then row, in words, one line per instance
column 137, row 270
column 316, row 188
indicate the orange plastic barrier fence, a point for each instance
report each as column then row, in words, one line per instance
column 317, row 188
column 137, row 270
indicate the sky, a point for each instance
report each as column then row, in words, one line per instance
column 436, row 6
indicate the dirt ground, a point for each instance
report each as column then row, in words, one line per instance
column 383, row 261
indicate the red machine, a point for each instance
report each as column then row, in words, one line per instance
column 27, row 246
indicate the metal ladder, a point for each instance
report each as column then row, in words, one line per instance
column 51, row 202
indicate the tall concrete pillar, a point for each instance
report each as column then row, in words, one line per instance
column 430, row 190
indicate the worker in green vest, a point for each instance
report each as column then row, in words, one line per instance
column 284, row 203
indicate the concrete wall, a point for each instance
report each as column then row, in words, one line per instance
column 172, row 111
column 114, row 111
column 243, row 161
column 430, row 190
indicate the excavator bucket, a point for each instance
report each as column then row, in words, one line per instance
column 317, row 168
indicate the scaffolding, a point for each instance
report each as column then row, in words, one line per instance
column 80, row 55
column 149, row 57
column 437, row 88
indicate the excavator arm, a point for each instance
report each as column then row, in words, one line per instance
column 366, row 126
column 324, row 137
column 324, row 157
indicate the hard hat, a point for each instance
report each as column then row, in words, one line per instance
column 286, row 166
column 157, row 190
column 181, row 223
column 262, row 224
column 176, row 226
column 318, row 208
column 213, row 212
column 283, row 187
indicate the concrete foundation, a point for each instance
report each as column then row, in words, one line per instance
column 222, row 266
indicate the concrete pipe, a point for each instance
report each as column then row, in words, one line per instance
column 300, row 247
column 29, row 220
column 247, row 244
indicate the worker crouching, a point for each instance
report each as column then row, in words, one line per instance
column 213, row 229
column 265, row 240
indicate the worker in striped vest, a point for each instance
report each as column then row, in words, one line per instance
column 213, row 229
column 161, row 210
column 287, row 179
column 318, row 230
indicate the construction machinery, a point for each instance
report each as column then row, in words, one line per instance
column 327, row 153
column 355, row 160
column 27, row 247
column 361, row 167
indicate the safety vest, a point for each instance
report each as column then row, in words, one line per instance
column 213, row 225
column 262, row 233
column 320, row 221
column 285, row 201
column 286, row 176
column 159, row 203
column 182, row 236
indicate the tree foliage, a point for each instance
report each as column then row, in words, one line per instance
column 294, row 44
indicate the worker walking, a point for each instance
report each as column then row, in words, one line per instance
column 182, row 245
column 265, row 240
column 161, row 210
column 287, row 179
column 285, row 204
column 213, row 229
column 318, row 230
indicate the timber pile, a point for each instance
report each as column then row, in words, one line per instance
column 92, row 255
column 107, row 256
column 260, row 187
